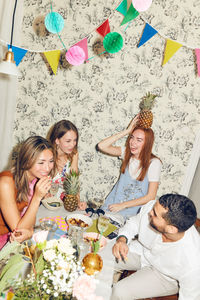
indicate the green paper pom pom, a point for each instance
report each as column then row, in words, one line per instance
column 113, row 42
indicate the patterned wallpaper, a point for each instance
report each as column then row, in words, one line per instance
column 102, row 96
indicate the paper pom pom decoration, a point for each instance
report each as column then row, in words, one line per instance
column 141, row 5
column 54, row 22
column 75, row 56
column 113, row 42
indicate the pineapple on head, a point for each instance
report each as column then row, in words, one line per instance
column 71, row 187
column 145, row 115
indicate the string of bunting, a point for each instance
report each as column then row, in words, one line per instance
column 112, row 42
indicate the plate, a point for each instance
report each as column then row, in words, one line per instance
column 87, row 220
column 52, row 203
column 92, row 236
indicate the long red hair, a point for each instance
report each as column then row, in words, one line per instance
column 145, row 155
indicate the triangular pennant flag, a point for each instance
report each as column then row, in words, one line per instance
column 197, row 52
column 84, row 46
column 122, row 8
column 104, row 28
column 147, row 34
column 170, row 49
column 53, row 59
column 19, row 53
column 132, row 13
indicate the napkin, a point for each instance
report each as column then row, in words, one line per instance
column 93, row 228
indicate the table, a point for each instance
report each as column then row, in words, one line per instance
column 105, row 277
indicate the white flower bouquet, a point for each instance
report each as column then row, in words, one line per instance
column 56, row 273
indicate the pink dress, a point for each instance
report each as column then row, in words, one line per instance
column 5, row 237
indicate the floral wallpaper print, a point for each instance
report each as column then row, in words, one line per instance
column 102, row 96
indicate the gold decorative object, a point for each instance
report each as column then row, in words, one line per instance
column 92, row 263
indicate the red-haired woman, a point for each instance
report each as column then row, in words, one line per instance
column 140, row 170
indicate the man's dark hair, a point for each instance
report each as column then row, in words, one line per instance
column 181, row 211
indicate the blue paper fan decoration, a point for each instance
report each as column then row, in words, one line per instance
column 54, row 22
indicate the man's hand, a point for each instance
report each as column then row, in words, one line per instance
column 120, row 249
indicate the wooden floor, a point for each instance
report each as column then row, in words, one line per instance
column 172, row 297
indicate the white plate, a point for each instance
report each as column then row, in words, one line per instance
column 81, row 217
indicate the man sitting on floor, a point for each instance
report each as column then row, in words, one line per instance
column 166, row 254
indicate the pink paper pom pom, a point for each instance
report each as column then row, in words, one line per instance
column 75, row 56
column 141, row 5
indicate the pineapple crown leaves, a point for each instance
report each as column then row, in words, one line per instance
column 147, row 101
column 71, row 183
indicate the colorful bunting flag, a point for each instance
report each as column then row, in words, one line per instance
column 197, row 52
column 104, row 28
column 122, row 8
column 84, row 46
column 53, row 59
column 19, row 53
column 170, row 49
column 147, row 34
column 132, row 13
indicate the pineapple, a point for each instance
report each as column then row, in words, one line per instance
column 71, row 186
column 145, row 115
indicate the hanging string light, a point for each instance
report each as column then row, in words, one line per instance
column 8, row 66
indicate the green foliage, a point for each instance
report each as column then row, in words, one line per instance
column 41, row 245
column 8, row 249
column 15, row 259
column 9, row 272
column 147, row 101
column 71, row 183
column 39, row 266
column 95, row 246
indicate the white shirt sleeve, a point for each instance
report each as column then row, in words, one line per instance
column 154, row 170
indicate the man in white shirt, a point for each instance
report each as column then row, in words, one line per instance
column 166, row 254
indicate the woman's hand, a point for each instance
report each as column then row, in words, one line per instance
column 116, row 207
column 82, row 205
column 42, row 187
column 21, row 235
column 133, row 123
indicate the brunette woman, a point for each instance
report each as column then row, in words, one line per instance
column 23, row 187
column 140, row 170
column 64, row 138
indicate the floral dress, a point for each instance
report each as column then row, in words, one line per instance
column 59, row 178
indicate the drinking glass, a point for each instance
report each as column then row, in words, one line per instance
column 102, row 224
column 54, row 189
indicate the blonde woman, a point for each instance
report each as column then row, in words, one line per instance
column 23, row 187
column 64, row 138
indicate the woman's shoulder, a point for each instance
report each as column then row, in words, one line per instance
column 6, row 177
column 6, row 181
column 155, row 161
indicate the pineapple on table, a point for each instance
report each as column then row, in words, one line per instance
column 145, row 115
column 71, row 187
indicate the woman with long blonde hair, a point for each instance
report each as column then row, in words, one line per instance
column 23, row 187
column 64, row 137
column 140, row 170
